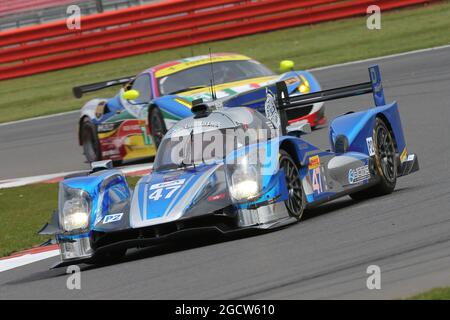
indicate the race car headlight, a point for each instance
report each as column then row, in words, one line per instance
column 244, row 181
column 76, row 215
column 244, row 189
column 74, row 209
column 304, row 87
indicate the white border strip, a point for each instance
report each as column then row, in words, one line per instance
column 15, row 262
column 39, row 118
column 11, row 183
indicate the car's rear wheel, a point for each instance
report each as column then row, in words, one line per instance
column 295, row 204
column 385, row 163
column 89, row 141
column 157, row 125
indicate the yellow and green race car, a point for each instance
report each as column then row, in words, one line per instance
column 131, row 125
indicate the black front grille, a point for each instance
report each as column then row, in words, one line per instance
column 223, row 222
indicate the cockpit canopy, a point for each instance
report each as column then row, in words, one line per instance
column 210, row 139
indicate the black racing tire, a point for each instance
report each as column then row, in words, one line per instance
column 157, row 125
column 89, row 141
column 385, row 163
column 110, row 257
column 295, row 204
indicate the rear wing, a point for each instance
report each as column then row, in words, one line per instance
column 275, row 97
column 80, row 90
column 286, row 102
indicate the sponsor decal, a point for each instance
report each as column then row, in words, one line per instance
column 165, row 189
column 106, row 126
column 291, row 80
column 167, row 184
column 195, row 124
column 370, row 146
column 270, row 109
column 358, row 175
column 132, row 127
column 170, row 178
column 217, row 197
column 316, row 178
column 110, row 152
column 112, row 218
column 314, row 162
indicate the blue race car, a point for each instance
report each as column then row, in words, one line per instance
column 229, row 168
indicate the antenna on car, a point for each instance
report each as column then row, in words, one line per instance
column 213, row 92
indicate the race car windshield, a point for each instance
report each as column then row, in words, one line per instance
column 189, row 150
column 200, row 76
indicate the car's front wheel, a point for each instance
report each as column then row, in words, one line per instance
column 89, row 141
column 295, row 204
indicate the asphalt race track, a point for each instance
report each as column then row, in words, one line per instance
column 407, row 234
column 43, row 146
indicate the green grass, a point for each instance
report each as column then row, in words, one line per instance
column 24, row 211
column 434, row 294
column 309, row 46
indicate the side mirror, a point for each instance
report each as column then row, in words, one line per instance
column 286, row 66
column 131, row 95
